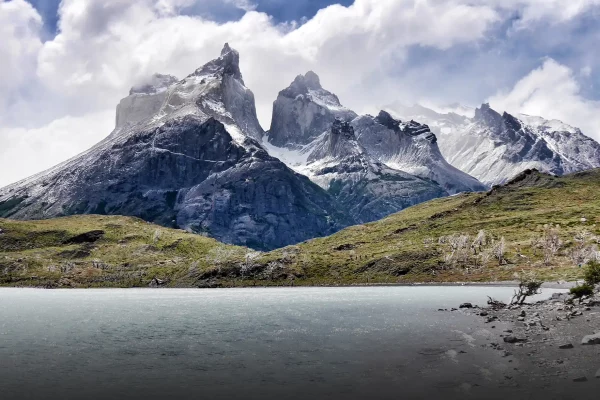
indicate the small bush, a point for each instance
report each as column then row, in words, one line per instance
column 592, row 273
column 581, row 291
column 528, row 286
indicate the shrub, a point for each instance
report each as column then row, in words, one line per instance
column 583, row 290
column 528, row 286
column 592, row 273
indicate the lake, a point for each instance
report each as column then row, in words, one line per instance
column 284, row 343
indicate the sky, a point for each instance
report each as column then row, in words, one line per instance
column 66, row 64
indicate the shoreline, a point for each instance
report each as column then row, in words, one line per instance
column 548, row 341
column 546, row 285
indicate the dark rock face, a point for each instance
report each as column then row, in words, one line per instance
column 304, row 111
column 193, row 175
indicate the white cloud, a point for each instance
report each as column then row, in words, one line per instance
column 104, row 47
column 25, row 152
column 20, row 29
column 552, row 91
column 586, row 71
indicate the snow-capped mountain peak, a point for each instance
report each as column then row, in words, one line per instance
column 215, row 90
column 228, row 63
column 337, row 143
column 145, row 100
column 410, row 147
column 487, row 115
column 366, row 187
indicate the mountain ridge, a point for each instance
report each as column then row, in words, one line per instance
column 493, row 147
column 194, row 164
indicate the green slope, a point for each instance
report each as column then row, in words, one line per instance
column 531, row 213
column 113, row 251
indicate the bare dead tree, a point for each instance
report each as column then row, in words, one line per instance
column 249, row 264
column 499, row 250
column 458, row 250
column 537, row 243
column 551, row 243
column 273, row 268
column 157, row 235
column 479, row 242
column 583, row 250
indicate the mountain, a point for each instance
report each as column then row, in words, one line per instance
column 494, row 147
column 302, row 119
column 366, row 188
column 184, row 155
column 411, row 147
column 304, row 111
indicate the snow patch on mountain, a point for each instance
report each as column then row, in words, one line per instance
column 410, row 147
column 494, row 147
column 369, row 189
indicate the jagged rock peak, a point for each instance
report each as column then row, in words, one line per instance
column 311, row 80
column 512, row 122
column 155, row 84
column 227, row 64
column 487, row 114
column 384, row 118
column 303, row 83
column 303, row 111
column 343, row 129
column 226, row 49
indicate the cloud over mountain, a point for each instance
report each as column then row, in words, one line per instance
column 369, row 53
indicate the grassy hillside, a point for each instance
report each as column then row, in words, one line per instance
column 97, row 251
column 537, row 223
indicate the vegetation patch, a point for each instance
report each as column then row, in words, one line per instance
column 543, row 227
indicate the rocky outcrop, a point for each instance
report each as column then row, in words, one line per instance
column 304, row 111
column 144, row 100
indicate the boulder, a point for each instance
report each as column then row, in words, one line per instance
column 566, row 346
column 591, row 339
column 156, row 283
column 466, row 305
column 513, row 339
